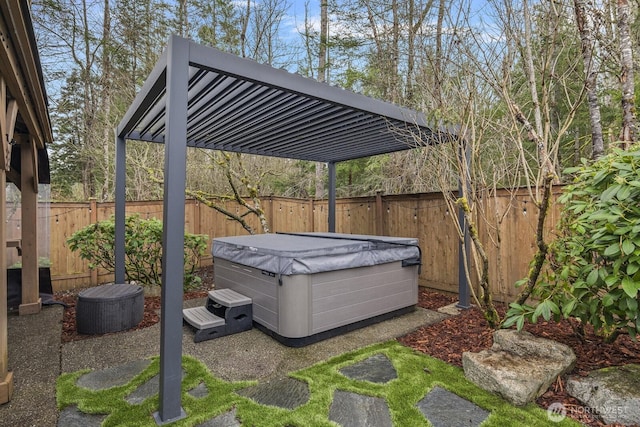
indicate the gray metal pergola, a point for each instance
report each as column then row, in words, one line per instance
column 198, row 96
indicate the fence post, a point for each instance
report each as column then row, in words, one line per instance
column 379, row 213
column 312, row 225
column 271, row 219
column 196, row 221
column 93, row 219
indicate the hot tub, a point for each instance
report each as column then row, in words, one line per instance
column 310, row 286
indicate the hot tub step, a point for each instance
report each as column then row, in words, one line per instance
column 201, row 318
column 226, row 312
column 229, row 297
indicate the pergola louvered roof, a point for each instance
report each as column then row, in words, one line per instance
column 211, row 99
column 236, row 104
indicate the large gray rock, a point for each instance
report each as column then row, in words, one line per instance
column 519, row 366
column 613, row 393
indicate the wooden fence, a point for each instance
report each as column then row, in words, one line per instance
column 507, row 229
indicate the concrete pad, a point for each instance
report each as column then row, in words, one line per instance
column 34, row 360
column 250, row 355
column 253, row 355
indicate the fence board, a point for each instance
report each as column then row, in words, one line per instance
column 506, row 231
column 439, row 242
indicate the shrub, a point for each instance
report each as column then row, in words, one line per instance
column 143, row 249
column 594, row 272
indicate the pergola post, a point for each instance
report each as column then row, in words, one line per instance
column 121, row 177
column 175, row 170
column 332, row 196
column 31, row 302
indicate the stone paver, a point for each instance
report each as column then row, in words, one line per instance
column 112, row 377
column 445, row 409
column 377, row 369
column 228, row 419
column 356, row 410
column 200, row 391
column 285, row 393
column 72, row 417
column 146, row 390
column 441, row 407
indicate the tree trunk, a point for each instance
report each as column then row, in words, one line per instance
column 627, row 133
column 89, row 110
column 243, row 32
column 591, row 73
column 183, row 18
column 395, row 54
column 438, row 72
column 533, row 87
column 105, row 98
column 416, row 19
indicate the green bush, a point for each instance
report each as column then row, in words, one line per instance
column 594, row 272
column 143, row 249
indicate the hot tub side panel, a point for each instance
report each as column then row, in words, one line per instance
column 343, row 297
column 304, row 305
column 260, row 286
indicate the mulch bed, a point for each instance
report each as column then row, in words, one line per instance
column 448, row 339
column 151, row 307
column 150, row 317
column 469, row 331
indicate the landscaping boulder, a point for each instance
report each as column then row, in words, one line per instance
column 613, row 393
column 519, row 366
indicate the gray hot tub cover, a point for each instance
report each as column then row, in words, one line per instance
column 308, row 253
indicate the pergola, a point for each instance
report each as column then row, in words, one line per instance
column 24, row 130
column 198, row 96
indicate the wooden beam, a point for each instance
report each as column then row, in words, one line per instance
column 6, row 378
column 4, row 130
column 34, row 164
column 15, row 76
column 8, row 117
column 14, row 177
column 6, row 388
column 24, row 42
column 12, row 116
column 31, row 302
